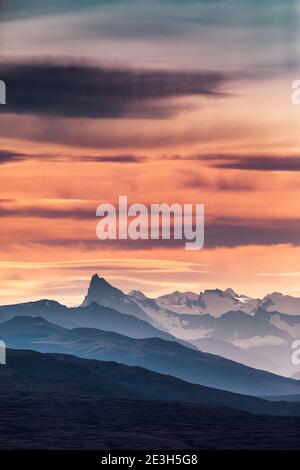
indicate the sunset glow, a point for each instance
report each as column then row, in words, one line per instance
column 164, row 117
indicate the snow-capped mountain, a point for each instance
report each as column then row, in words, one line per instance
column 257, row 333
column 217, row 302
column 137, row 295
column 180, row 302
column 278, row 302
column 214, row 302
column 249, row 330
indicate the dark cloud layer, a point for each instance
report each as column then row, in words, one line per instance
column 40, row 212
column 217, row 235
column 111, row 159
column 232, row 233
column 97, row 92
column 219, row 183
column 221, row 232
column 245, row 162
column 8, row 156
column 258, row 163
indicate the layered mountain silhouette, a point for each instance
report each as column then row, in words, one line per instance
column 93, row 315
column 137, row 365
column 32, row 372
column 152, row 353
column 255, row 332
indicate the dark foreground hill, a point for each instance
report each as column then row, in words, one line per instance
column 29, row 371
column 52, row 421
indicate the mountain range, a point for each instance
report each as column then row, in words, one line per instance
column 218, row 354
column 93, row 315
column 256, row 332
column 156, row 354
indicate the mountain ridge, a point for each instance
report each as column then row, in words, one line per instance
column 31, row 372
column 221, row 322
column 154, row 354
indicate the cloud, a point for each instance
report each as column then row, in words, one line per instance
column 256, row 163
column 258, row 341
column 47, row 213
column 219, row 183
column 231, row 232
column 220, row 232
column 87, row 91
column 111, row 159
column 8, row 156
column 244, row 162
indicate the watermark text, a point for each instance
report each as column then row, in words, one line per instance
column 2, row 92
column 159, row 221
column 2, row 353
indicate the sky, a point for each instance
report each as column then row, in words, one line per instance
column 162, row 101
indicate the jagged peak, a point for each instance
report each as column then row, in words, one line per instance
column 275, row 294
column 137, row 294
column 231, row 292
column 222, row 293
column 99, row 280
column 212, row 291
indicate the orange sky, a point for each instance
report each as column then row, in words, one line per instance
column 236, row 150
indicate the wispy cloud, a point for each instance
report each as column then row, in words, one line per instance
column 282, row 274
column 218, row 183
column 10, row 156
column 256, row 163
column 248, row 162
column 220, row 231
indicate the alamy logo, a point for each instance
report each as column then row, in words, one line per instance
column 2, row 92
column 296, row 92
column 2, row 353
column 159, row 221
column 296, row 354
